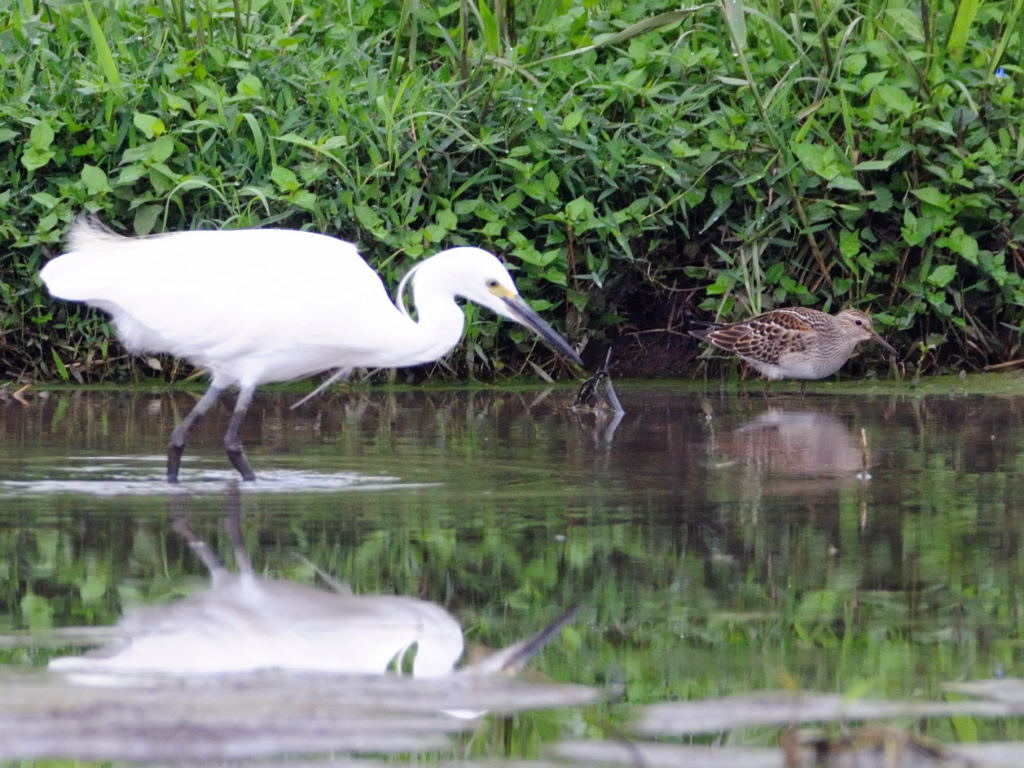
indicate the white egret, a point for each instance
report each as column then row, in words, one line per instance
column 256, row 306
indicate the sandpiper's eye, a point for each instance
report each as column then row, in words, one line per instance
column 859, row 322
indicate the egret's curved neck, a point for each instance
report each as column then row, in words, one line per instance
column 440, row 320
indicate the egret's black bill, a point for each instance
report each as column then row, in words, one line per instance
column 522, row 312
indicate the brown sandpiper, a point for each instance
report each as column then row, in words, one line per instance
column 795, row 342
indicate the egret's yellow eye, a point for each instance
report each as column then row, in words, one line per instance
column 492, row 283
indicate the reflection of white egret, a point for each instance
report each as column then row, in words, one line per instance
column 258, row 306
column 245, row 622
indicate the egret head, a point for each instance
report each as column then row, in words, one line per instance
column 477, row 275
column 858, row 325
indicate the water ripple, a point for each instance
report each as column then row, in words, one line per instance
column 144, row 476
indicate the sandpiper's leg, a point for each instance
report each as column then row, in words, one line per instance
column 232, row 440
column 803, row 388
column 176, row 445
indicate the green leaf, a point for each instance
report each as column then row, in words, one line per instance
column 932, row 196
column 960, row 243
column 572, row 120
column 943, row 127
column 434, row 233
column 821, row 160
column 855, row 63
column 873, row 165
column 33, row 157
column 723, row 284
column 910, row 231
column 42, row 136
column 46, row 200
column 871, row 81
column 150, row 152
column 38, row 152
column 250, row 87
column 95, row 180
column 130, row 174
column 145, row 219
column 896, row 99
column 304, row 199
column 150, row 125
column 284, row 178
column 534, row 188
column 162, row 149
column 883, row 201
column 848, row 183
column 446, row 218
column 849, row 243
column 368, row 218
column 942, row 275
column 579, row 209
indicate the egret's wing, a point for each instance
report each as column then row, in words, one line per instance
column 216, row 296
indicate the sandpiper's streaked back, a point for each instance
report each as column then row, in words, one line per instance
column 795, row 342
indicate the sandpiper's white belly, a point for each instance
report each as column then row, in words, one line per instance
column 798, row 365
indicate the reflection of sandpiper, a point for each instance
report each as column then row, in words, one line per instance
column 245, row 622
column 796, row 444
column 795, row 342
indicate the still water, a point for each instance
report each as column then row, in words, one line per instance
column 715, row 546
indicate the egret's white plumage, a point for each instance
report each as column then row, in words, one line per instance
column 264, row 305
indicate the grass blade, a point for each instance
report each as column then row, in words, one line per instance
column 104, row 57
column 966, row 10
column 639, row 28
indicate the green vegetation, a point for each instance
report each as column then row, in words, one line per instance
column 633, row 164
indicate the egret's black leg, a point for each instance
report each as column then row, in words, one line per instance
column 232, row 440
column 176, row 446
